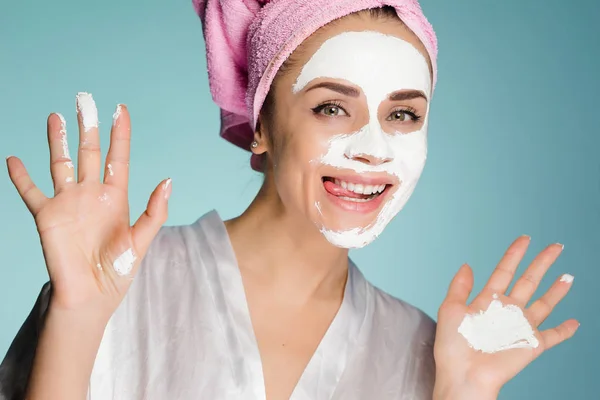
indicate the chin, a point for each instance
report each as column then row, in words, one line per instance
column 350, row 223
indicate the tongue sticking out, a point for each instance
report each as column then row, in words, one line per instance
column 337, row 190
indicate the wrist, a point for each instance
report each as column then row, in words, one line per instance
column 66, row 351
column 89, row 315
column 463, row 391
column 90, row 321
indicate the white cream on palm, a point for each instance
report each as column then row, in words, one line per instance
column 500, row 327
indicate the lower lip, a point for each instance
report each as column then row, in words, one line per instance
column 363, row 207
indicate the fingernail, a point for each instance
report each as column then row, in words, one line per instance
column 167, row 188
column 562, row 246
column 7, row 157
column 567, row 278
column 527, row 236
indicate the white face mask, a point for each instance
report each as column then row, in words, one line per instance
column 380, row 65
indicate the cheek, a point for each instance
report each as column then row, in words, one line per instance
column 303, row 148
column 410, row 153
column 297, row 175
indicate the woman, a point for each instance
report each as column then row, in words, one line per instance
column 267, row 305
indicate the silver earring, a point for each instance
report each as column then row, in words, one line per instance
column 254, row 144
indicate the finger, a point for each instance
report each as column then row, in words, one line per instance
column 88, row 165
column 117, row 160
column 461, row 285
column 505, row 270
column 61, row 166
column 542, row 307
column 33, row 197
column 527, row 284
column 553, row 336
column 148, row 224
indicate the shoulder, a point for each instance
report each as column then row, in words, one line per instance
column 173, row 239
column 174, row 261
column 169, row 241
column 398, row 338
column 178, row 244
column 400, row 316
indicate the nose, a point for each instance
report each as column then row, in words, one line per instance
column 369, row 146
column 369, row 159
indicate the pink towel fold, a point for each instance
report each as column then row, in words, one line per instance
column 248, row 40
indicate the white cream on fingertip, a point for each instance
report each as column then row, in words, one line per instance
column 86, row 107
column 567, row 278
column 63, row 122
column 124, row 263
column 63, row 136
column 117, row 114
column 500, row 327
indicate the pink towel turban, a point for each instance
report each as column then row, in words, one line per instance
column 248, row 40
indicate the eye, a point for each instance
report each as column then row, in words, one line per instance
column 404, row 115
column 330, row 109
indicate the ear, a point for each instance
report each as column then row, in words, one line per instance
column 260, row 137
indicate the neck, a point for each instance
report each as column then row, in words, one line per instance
column 286, row 252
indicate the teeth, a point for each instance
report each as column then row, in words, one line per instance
column 359, row 187
column 355, row 200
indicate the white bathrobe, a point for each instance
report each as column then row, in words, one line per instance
column 184, row 332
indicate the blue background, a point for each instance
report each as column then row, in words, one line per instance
column 514, row 144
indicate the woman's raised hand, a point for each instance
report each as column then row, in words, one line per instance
column 464, row 372
column 91, row 251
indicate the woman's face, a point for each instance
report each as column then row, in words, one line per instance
column 349, row 130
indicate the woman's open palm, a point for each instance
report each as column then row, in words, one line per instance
column 91, row 251
column 457, row 361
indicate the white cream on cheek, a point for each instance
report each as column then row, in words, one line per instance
column 379, row 64
column 500, row 327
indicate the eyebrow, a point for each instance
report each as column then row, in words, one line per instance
column 353, row 92
column 407, row 95
column 337, row 87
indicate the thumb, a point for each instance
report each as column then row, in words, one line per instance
column 148, row 224
column 461, row 285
